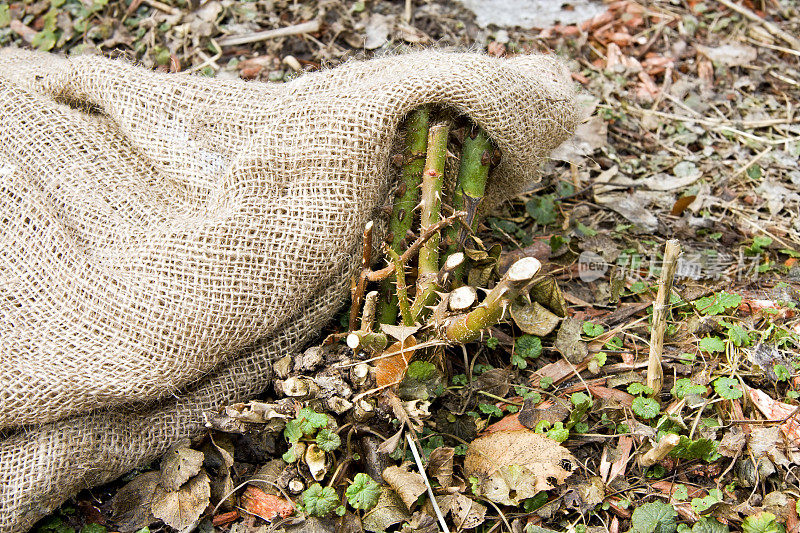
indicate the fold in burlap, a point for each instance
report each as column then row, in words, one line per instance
column 165, row 236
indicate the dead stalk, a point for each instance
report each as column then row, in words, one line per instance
column 655, row 374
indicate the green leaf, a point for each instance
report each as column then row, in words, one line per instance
column 684, row 387
column 558, row 433
column 639, row 388
column 318, row 501
column 293, row 431
column 645, row 407
column 592, row 330
column 687, row 448
column 702, row 504
column 654, row 517
column 728, row 388
column 44, row 40
column 328, row 440
column 542, row 209
column 93, row 528
column 718, row 303
column 709, row 524
column 311, row 420
column 5, row 16
column 492, row 343
column 581, row 400
column 525, row 347
column 781, row 372
column 738, row 335
column 55, row 524
column 762, row 522
column 363, row 492
column 421, row 370
column 291, row 455
column 490, row 409
column 680, row 493
column 712, row 344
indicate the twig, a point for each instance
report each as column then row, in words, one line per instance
column 367, row 340
column 161, row 6
column 377, row 275
column 655, row 374
column 357, row 292
column 368, row 315
column 769, row 26
column 421, row 468
column 298, row 29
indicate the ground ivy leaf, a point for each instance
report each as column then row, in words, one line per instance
column 712, row 344
column 645, row 407
column 705, row 449
column 311, row 420
column 718, row 303
column 363, row 493
column 328, row 440
column 709, row 524
column 728, row 388
column 592, row 330
column 653, row 517
column 293, row 432
column 762, row 522
column 319, row 501
column 684, row 387
column 542, row 209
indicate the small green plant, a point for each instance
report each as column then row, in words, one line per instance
column 646, row 408
column 319, row 501
column 654, row 517
column 327, row 440
column 684, row 387
column 592, row 330
column 781, row 372
column 702, row 504
column 556, row 432
column 581, row 404
column 759, row 245
column 728, row 388
column 705, row 449
column 526, row 347
column 712, row 344
column 306, row 425
column 363, row 492
column 717, row 304
column 639, row 388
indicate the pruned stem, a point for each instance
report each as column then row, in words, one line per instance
column 402, row 288
column 430, row 214
column 468, row 326
column 368, row 315
column 660, row 450
column 367, row 340
column 414, row 146
column 655, row 374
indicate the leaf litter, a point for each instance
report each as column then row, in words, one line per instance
column 690, row 132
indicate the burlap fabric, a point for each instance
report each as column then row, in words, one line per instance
column 165, row 236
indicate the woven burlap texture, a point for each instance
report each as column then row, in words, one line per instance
column 165, row 236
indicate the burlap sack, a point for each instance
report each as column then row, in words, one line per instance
column 165, row 236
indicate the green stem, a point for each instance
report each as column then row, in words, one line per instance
column 414, row 146
column 402, row 288
column 476, row 156
column 431, row 206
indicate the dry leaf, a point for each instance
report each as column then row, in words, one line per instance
column 178, row 465
column 730, row 55
column 131, row 504
column 568, row 341
column 547, row 292
column 388, row 511
column 317, row 462
column 440, row 465
column 180, row 509
column 776, row 410
column 514, row 465
column 408, row 485
column 391, row 367
column 533, row 318
column 267, row 506
column 466, row 512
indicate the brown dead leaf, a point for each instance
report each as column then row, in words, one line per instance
column 391, row 367
column 466, row 512
column 178, row 465
column 568, row 341
column 681, row 204
column 267, row 506
column 547, row 292
column 408, row 485
column 531, row 414
column 389, row 510
column 776, row 410
column 440, row 465
column 131, row 504
column 514, row 465
column 180, row 509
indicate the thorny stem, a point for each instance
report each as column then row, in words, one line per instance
column 378, row 275
column 430, row 214
column 655, row 373
column 402, row 289
column 468, row 326
column 414, row 146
